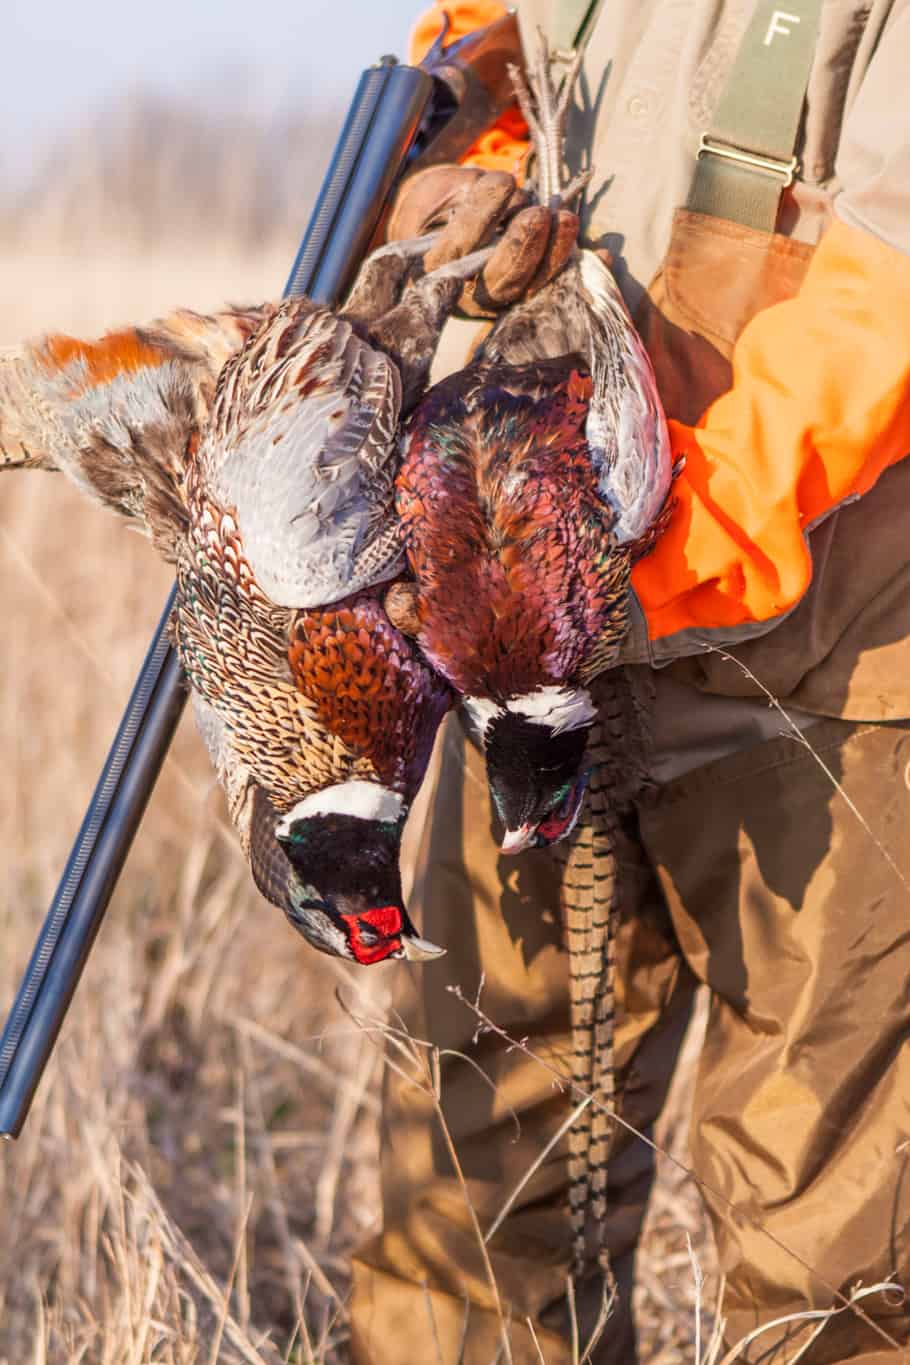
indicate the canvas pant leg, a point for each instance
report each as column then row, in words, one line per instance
column 421, row 1291
column 800, row 925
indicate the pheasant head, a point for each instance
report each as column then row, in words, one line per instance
column 331, row 864
column 344, row 894
column 383, row 705
column 535, row 752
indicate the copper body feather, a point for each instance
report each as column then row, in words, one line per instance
column 507, row 534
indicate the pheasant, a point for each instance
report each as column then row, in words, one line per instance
column 258, row 449
column 529, row 484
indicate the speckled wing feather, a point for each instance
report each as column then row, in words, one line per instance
column 120, row 416
column 301, row 446
column 249, row 806
column 626, row 428
column 234, row 646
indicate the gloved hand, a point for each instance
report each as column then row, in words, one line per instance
column 470, row 206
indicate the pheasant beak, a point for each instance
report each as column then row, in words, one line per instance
column 517, row 840
column 419, row 949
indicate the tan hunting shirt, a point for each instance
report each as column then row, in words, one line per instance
column 653, row 73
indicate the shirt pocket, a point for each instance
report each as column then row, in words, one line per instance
column 715, row 276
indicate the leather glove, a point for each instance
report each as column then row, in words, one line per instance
column 470, row 206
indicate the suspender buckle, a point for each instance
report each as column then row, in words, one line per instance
column 785, row 171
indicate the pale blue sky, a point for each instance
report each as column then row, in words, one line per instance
column 61, row 58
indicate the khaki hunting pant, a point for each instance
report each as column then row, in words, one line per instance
column 751, row 874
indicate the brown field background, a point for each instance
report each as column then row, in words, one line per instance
column 202, row 1154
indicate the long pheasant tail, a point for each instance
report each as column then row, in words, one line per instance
column 590, row 896
column 605, row 899
column 592, row 892
column 584, row 972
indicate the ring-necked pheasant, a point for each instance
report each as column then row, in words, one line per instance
column 530, row 482
column 258, row 449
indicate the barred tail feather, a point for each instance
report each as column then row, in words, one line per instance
column 606, row 891
column 591, row 893
column 584, row 958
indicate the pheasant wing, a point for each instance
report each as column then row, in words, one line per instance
column 583, row 313
column 301, row 450
column 120, row 415
column 626, row 428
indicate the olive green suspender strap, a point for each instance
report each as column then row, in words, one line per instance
column 747, row 157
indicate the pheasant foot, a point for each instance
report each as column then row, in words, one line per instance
column 545, row 111
column 410, row 331
column 383, row 275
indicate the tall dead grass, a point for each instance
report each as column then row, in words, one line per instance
column 202, row 1155
column 188, row 1105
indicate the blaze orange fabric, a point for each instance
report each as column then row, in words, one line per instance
column 818, row 409
column 464, row 16
column 504, row 146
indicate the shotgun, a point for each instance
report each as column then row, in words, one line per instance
column 401, row 119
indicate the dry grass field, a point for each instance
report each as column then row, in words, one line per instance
column 202, row 1154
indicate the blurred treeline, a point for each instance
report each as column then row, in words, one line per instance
column 150, row 168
